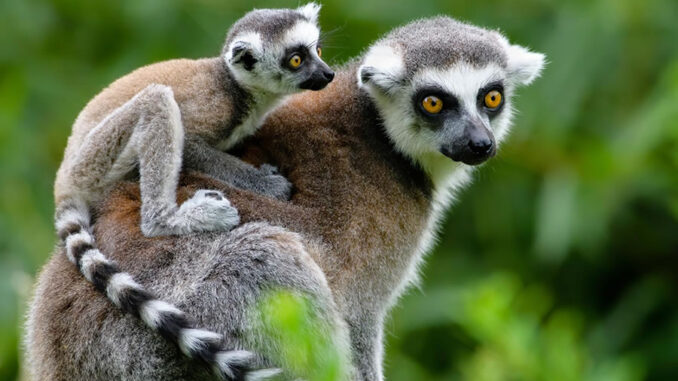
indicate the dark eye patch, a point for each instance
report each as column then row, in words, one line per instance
column 301, row 50
column 450, row 102
column 498, row 86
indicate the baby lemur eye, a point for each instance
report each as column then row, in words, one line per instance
column 493, row 99
column 295, row 61
column 432, row 104
column 320, row 51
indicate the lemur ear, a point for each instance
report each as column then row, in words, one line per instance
column 382, row 68
column 524, row 66
column 242, row 53
column 371, row 76
column 310, row 11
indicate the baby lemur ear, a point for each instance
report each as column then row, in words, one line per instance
column 524, row 66
column 310, row 11
column 242, row 53
column 382, row 69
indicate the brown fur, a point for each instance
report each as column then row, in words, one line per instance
column 198, row 87
column 207, row 110
column 352, row 190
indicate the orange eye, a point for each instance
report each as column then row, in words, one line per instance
column 295, row 61
column 432, row 104
column 320, row 51
column 493, row 99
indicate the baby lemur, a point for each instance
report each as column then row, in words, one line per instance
column 150, row 117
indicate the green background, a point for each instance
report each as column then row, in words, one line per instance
column 558, row 263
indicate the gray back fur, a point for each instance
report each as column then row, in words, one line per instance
column 214, row 278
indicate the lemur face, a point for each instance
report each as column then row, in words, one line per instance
column 443, row 88
column 278, row 51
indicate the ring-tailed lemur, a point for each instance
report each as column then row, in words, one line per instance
column 140, row 120
column 399, row 130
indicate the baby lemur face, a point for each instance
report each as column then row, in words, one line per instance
column 443, row 87
column 277, row 51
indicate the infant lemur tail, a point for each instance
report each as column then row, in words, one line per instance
column 74, row 230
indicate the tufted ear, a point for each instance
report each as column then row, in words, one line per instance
column 524, row 66
column 244, row 51
column 382, row 68
column 372, row 76
column 310, row 11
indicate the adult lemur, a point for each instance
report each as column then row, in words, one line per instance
column 140, row 120
column 375, row 160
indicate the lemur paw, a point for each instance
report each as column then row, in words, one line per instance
column 273, row 184
column 207, row 210
column 268, row 169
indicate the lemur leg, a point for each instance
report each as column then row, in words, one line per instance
column 205, row 158
column 148, row 130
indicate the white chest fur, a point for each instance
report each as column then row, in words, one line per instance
column 263, row 104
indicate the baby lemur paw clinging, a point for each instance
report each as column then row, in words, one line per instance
column 273, row 184
column 207, row 210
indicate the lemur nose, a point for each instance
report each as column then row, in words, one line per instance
column 480, row 146
column 329, row 75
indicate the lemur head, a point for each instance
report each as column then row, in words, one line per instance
column 443, row 87
column 277, row 51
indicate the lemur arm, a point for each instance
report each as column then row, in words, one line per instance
column 265, row 180
column 146, row 130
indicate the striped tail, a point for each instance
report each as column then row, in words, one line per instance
column 74, row 230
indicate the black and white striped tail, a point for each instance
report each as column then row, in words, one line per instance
column 74, row 230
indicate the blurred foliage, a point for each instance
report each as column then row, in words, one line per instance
column 558, row 263
column 292, row 324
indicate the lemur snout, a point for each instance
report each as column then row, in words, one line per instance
column 474, row 147
column 480, row 145
column 320, row 78
column 329, row 75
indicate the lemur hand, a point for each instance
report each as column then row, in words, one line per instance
column 274, row 184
